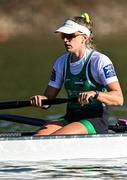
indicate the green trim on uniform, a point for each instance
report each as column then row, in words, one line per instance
column 88, row 126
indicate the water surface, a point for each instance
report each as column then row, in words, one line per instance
column 65, row 169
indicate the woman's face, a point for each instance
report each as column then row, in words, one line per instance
column 74, row 42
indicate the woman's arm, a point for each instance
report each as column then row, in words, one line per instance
column 51, row 92
column 113, row 97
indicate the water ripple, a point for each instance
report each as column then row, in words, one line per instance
column 64, row 170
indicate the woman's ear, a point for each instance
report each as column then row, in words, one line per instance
column 85, row 37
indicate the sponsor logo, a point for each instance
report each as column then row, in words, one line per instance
column 109, row 71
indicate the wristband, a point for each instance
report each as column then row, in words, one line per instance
column 96, row 95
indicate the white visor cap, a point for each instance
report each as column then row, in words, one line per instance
column 71, row 27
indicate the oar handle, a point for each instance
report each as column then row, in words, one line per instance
column 27, row 103
column 59, row 101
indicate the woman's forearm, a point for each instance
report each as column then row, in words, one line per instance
column 114, row 98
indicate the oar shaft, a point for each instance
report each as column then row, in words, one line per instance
column 27, row 103
column 14, row 104
column 23, row 119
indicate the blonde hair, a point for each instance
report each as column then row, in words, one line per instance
column 86, row 21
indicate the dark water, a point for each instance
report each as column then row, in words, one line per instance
column 64, row 170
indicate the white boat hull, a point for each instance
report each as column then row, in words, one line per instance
column 63, row 147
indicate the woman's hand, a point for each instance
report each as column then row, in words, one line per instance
column 84, row 97
column 37, row 101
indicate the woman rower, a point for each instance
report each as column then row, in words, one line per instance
column 85, row 73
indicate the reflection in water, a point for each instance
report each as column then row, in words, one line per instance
column 74, row 169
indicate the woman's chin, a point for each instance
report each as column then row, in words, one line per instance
column 68, row 49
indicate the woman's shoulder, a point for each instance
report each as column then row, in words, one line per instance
column 61, row 61
column 99, row 55
column 62, row 58
column 100, row 59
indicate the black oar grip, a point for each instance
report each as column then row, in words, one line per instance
column 59, row 101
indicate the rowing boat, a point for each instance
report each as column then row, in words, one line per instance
column 19, row 146
column 31, row 148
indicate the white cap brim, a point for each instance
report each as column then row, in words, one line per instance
column 70, row 27
column 66, row 30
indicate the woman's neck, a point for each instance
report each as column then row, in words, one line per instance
column 77, row 56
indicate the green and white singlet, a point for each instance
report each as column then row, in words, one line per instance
column 93, row 72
